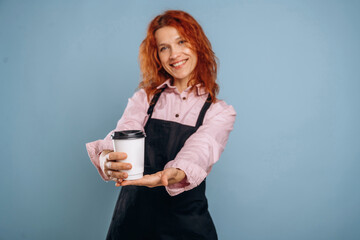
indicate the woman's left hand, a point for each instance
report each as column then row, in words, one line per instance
column 163, row 178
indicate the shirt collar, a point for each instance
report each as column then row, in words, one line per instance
column 165, row 84
column 199, row 87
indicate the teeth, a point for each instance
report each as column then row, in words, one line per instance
column 179, row 63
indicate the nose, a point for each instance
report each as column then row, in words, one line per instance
column 175, row 53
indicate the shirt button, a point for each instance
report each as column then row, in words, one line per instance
column 176, row 115
column 184, row 98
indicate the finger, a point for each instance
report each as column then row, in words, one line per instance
column 139, row 182
column 150, row 181
column 147, row 180
column 106, row 161
column 118, row 182
column 118, row 166
column 116, row 174
column 116, row 156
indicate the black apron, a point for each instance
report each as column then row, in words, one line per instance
column 151, row 213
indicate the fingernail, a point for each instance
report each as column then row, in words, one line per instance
column 108, row 164
column 109, row 172
column 107, row 156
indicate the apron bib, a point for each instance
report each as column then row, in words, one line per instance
column 151, row 213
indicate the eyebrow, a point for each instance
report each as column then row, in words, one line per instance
column 162, row 44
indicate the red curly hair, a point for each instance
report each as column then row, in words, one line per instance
column 153, row 74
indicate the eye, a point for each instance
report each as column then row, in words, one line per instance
column 162, row 49
column 182, row 42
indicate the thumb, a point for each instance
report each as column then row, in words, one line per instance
column 165, row 177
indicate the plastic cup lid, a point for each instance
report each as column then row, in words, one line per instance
column 128, row 134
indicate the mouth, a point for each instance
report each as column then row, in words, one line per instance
column 178, row 64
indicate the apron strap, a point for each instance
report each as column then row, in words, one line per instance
column 203, row 112
column 152, row 105
column 153, row 102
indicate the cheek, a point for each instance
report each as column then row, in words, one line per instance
column 163, row 59
column 194, row 59
column 192, row 54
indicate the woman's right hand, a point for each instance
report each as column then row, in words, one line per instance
column 113, row 166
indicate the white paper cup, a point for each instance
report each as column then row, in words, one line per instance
column 131, row 142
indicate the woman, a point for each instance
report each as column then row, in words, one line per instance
column 187, row 128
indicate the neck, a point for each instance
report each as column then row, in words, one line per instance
column 181, row 84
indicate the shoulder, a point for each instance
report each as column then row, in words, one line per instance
column 139, row 100
column 140, row 94
column 220, row 112
column 220, row 106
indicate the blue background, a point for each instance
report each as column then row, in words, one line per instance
column 291, row 69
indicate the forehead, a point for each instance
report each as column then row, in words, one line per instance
column 166, row 35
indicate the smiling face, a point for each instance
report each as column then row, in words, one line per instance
column 175, row 54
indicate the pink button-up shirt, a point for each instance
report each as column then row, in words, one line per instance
column 200, row 151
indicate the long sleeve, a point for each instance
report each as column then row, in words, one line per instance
column 200, row 151
column 203, row 149
column 133, row 118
